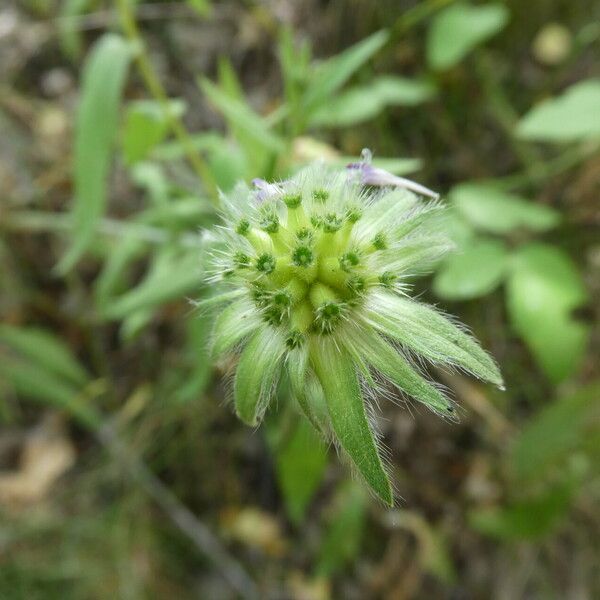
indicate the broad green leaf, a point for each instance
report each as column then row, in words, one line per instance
column 300, row 463
column 342, row 540
column 95, row 130
column 544, row 287
column 333, row 73
column 474, row 271
column 362, row 103
column 555, row 432
column 146, row 125
column 257, row 374
column 171, row 276
column 242, row 116
column 390, row 363
column 456, row 31
column 42, row 348
column 346, row 405
column 529, row 519
column 490, row 209
column 570, row 117
column 431, row 335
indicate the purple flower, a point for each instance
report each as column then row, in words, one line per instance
column 370, row 175
column 265, row 189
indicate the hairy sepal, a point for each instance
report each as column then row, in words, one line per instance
column 256, row 374
column 345, row 403
column 393, row 366
column 430, row 334
column 235, row 323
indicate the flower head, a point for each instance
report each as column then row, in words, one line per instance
column 316, row 272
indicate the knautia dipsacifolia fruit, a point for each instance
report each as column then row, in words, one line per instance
column 315, row 272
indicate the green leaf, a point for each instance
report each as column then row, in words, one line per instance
column 490, row 209
column 456, row 31
column 544, row 287
column 333, row 73
column 240, row 115
column 554, row 432
column 69, row 32
column 42, row 385
column 233, row 324
column 95, row 130
column 431, row 335
column 342, row 540
column 474, row 271
column 336, row 372
column 300, row 463
column 202, row 7
column 362, row 103
column 390, row 363
column 146, row 125
column 528, row 519
column 172, row 275
column 45, row 350
column 257, row 373
column 198, row 328
column 570, row 117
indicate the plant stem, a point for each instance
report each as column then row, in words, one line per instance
column 155, row 87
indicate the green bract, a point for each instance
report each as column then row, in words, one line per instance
column 314, row 273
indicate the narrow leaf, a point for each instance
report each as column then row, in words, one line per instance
column 45, row 350
column 95, row 130
column 346, row 405
column 256, row 374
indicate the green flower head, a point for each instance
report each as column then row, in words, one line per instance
column 315, row 272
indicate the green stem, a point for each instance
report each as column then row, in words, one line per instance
column 408, row 19
column 155, row 87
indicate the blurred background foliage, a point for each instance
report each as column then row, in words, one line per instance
column 123, row 471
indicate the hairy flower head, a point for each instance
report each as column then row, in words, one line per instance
column 315, row 271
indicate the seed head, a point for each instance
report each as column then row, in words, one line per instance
column 315, row 266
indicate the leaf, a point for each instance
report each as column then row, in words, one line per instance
column 33, row 382
column 528, row 519
column 362, row 103
column 95, row 129
column 233, row 324
column 474, row 271
column 333, row 73
column 456, row 30
column 256, row 374
column 342, row 540
column 300, row 466
column 198, row 328
column 171, row 276
column 45, row 350
column 570, row 117
column 390, row 363
column 242, row 116
column 202, row 7
column 554, row 432
column 490, row 209
column 544, row 287
column 146, row 125
column 431, row 335
column 68, row 30
column 346, row 406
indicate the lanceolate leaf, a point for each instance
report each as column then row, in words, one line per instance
column 336, row 372
column 95, row 129
column 433, row 336
column 390, row 363
column 256, row 374
column 232, row 325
